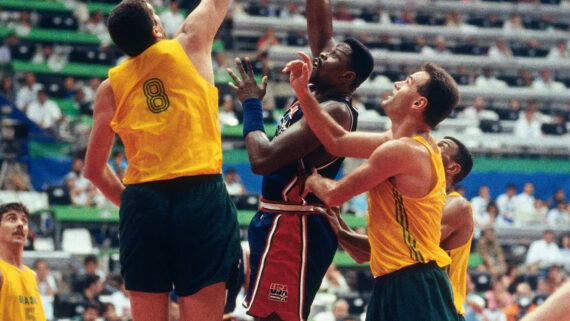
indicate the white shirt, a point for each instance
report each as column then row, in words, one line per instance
column 471, row 113
column 539, row 83
column 496, row 53
column 45, row 115
column 491, row 82
column 121, row 303
column 547, row 254
column 506, row 205
column 524, row 129
column 171, row 22
column 555, row 53
column 558, row 218
column 26, row 95
column 479, row 205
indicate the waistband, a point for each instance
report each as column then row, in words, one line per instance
column 279, row 207
column 183, row 180
column 409, row 269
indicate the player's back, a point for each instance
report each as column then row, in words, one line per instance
column 19, row 295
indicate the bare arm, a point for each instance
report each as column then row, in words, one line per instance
column 319, row 25
column 390, row 159
column 336, row 139
column 100, row 143
column 456, row 223
column 355, row 244
column 197, row 33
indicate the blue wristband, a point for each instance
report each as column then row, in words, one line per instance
column 252, row 116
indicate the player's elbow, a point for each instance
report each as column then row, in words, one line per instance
column 92, row 173
column 259, row 167
column 331, row 200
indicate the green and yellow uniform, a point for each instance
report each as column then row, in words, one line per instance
column 457, row 270
column 406, row 259
column 19, row 295
column 177, row 223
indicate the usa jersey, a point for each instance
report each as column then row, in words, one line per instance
column 286, row 184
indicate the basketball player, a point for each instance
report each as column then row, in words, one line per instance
column 178, row 225
column 456, row 222
column 405, row 178
column 291, row 248
column 19, row 294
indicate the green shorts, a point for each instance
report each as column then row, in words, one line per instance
column 417, row 292
column 461, row 317
column 182, row 232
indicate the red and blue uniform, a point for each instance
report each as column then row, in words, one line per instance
column 291, row 245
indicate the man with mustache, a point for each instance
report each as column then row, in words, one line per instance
column 19, row 293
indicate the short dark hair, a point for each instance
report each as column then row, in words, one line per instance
column 463, row 158
column 441, row 93
column 15, row 206
column 130, row 26
column 89, row 280
column 90, row 258
column 361, row 62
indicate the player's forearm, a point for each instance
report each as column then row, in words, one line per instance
column 319, row 25
column 259, row 151
column 554, row 308
column 108, row 183
column 355, row 244
column 326, row 190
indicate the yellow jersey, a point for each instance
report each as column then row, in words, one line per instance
column 19, row 295
column 403, row 230
column 457, row 270
column 166, row 115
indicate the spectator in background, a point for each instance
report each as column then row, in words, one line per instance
column 120, row 300
column 46, row 285
column 478, row 111
column 455, row 20
column 498, row 298
column 512, row 278
column 227, row 115
column 545, row 82
column 488, row 80
column 525, row 79
column 334, row 281
column 110, row 312
column 92, row 288
column 554, row 278
column 514, row 109
column 81, row 13
column 76, row 182
column 233, row 182
column 559, row 216
column 91, row 89
column 45, row 113
column 341, row 13
column 118, row 163
column 292, row 12
column 565, row 251
column 528, row 126
column 268, row 40
column 407, row 18
column 479, row 203
column 171, row 19
column 339, row 312
column 524, row 202
column 543, row 253
column 500, row 50
column 7, row 88
column 522, row 303
column 5, row 54
column 263, row 8
column 491, row 252
column 559, row 196
column 27, row 93
column 514, row 24
column 96, row 26
column 69, row 86
column 474, row 304
column 559, row 123
column 506, row 204
column 91, row 313
column 91, row 267
column 440, row 47
column 23, row 25
column 492, row 21
column 381, row 16
column 43, row 54
column 559, row 52
column 484, row 220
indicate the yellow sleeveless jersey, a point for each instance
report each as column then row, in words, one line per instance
column 19, row 295
column 457, row 270
column 403, row 230
column 166, row 115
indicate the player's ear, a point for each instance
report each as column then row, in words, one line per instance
column 453, row 168
column 420, row 103
column 156, row 33
column 349, row 76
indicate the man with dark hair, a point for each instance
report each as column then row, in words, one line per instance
column 405, row 177
column 178, row 225
column 19, row 294
column 291, row 248
column 91, row 288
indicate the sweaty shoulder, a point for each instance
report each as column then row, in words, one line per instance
column 339, row 111
column 461, row 205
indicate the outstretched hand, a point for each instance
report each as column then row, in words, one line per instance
column 299, row 72
column 246, row 87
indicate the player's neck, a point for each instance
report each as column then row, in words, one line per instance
column 450, row 188
column 410, row 128
column 12, row 254
column 322, row 94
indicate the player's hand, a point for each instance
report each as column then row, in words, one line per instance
column 299, row 72
column 333, row 216
column 246, row 87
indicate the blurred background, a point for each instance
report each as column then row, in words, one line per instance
column 510, row 58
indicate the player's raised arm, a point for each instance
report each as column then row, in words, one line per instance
column 319, row 25
column 201, row 25
column 336, row 139
column 456, row 221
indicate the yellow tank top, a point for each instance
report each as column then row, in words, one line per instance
column 166, row 116
column 19, row 295
column 403, row 230
column 457, row 270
